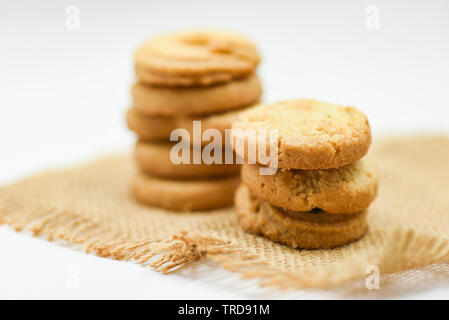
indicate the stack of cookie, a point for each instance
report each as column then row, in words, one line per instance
column 319, row 194
column 205, row 76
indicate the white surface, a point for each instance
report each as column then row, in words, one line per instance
column 64, row 92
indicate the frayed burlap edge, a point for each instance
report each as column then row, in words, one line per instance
column 403, row 249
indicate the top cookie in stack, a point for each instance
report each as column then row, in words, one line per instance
column 318, row 196
column 195, row 58
column 208, row 76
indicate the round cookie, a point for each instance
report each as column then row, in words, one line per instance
column 157, row 128
column 345, row 190
column 197, row 57
column 297, row 229
column 162, row 101
column 150, row 128
column 311, row 134
column 185, row 195
column 154, row 159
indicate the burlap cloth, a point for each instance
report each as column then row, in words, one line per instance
column 92, row 206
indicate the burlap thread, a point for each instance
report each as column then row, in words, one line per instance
column 92, row 206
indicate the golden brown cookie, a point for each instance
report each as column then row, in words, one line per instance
column 161, row 101
column 185, row 195
column 154, row 159
column 311, row 134
column 345, row 190
column 297, row 229
column 157, row 128
column 197, row 57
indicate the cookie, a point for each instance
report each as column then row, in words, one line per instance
column 185, row 195
column 297, row 229
column 311, row 134
column 157, row 128
column 154, row 159
column 195, row 58
column 345, row 190
column 161, row 101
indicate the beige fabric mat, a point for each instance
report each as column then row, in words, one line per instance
column 92, row 206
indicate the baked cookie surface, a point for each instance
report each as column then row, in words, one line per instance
column 197, row 57
column 158, row 128
column 345, row 190
column 297, row 229
column 154, row 159
column 163, row 101
column 185, row 195
column 311, row 134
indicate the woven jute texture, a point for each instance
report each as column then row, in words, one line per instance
column 92, row 206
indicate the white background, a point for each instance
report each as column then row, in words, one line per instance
column 63, row 94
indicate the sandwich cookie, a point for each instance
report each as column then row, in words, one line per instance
column 157, row 128
column 161, row 101
column 195, row 58
column 345, row 190
column 311, row 134
column 297, row 229
column 185, row 195
column 154, row 159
